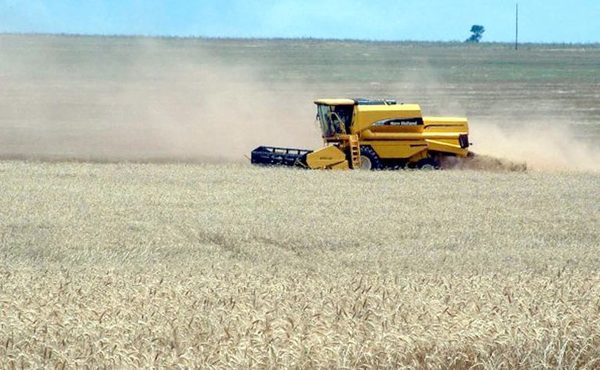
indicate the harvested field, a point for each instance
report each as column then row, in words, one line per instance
column 195, row 100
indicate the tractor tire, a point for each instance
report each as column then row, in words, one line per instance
column 369, row 160
column 428, row 164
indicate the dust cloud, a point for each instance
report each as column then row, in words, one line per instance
column 123, row 99
column 518, row 144
column 143, row 103
column 481, row 162
column 540, row 144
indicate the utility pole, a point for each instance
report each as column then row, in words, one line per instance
column 517, row 28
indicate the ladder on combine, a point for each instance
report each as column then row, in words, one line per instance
column 354, row 151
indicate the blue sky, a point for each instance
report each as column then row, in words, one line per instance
column 541, row 20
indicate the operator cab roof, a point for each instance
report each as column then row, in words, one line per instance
column 356, row 101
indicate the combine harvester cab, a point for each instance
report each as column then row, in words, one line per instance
column 374, row 134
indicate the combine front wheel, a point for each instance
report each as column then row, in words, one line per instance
column 369, row 160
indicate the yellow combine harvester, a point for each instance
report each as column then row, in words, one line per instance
column 374, row 134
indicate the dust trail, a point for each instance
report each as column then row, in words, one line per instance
column 482, row 162
column 137, row 99
column 542, row 145
column 534, row 142
column 112, row 99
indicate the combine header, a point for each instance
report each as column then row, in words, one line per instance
column 374, row 134
column 273, row 156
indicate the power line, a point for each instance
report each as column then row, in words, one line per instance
column 517, row 27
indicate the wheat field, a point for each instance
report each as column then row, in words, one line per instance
column 195, row 259
column 221, row 266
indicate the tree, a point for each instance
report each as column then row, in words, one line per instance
column 477, row 32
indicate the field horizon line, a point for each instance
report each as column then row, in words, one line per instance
column 303, row 39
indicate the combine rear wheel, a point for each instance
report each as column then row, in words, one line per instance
column 428, row 164
column 369, row 160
